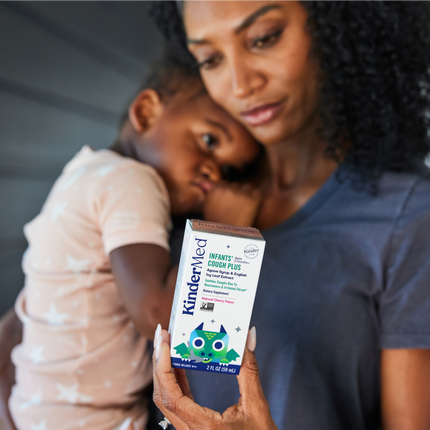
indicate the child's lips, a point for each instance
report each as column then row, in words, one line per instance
column 206, row 186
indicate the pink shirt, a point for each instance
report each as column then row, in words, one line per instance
column 81, row 358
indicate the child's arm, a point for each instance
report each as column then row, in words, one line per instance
column 146, row 282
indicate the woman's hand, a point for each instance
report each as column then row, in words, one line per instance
column 173, row 397
column 234, row 203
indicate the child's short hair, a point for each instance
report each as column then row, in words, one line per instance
column 170, row 77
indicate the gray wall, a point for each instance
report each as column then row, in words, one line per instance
column 68, row 71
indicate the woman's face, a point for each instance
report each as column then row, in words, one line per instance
column 255, row 62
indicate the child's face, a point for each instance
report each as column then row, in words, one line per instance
column 194, row 140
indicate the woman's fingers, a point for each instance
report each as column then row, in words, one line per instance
column 173, row 397
column 166, row 388
column 252, row 400
column 161, row 367
column 181, row 378
column 249, row 376
column 178, row 407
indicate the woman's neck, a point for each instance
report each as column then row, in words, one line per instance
column 299, row 161
column 298, row 167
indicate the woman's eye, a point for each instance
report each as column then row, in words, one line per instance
column 267, row 40
column 209, row 63
column 210, row 141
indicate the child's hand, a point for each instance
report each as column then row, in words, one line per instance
column 235, row 204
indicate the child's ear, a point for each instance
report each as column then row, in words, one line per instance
column 145, row 110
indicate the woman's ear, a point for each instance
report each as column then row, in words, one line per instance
column 145, row 110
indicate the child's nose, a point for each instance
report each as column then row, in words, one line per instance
column 210, row 170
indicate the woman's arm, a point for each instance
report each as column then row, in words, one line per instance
column 146, row 282
column 405, row 389
column 10, row 336
column 173, row 397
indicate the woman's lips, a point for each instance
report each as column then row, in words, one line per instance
column 261, row 114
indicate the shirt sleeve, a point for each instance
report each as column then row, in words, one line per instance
column 133, row 206
column 405, row 302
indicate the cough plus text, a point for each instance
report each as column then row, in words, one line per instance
column 215, row 291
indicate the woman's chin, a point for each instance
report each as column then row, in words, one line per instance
column 268, row 134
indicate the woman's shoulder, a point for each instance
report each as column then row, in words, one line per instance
column 397, row 192
column 402, row 201
column 407, row 196
column 411, row 189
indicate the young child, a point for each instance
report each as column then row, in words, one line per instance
column 98, row 271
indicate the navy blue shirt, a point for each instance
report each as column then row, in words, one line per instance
column 347, row 275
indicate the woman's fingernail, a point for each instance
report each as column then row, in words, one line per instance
column 157, row 333
column 157, row 350
column 251, row 342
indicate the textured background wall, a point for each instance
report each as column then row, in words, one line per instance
column 68, row 71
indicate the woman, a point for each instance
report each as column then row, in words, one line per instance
column 338, row 94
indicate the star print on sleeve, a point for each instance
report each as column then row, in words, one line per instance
column 54, row 317
column 103, row 171
column 35, row 399
column 40, row 426
column 73, row 178
column 77, row 266
column 37, row 354
column 71, row 394
column 57, row 210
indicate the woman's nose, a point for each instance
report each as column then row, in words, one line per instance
column 244, row 80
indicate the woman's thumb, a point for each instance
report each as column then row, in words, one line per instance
column 252, row 398
column 249, row 377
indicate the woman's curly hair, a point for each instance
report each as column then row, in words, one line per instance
column 374, row 59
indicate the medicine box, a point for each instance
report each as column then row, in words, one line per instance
column 215, row 291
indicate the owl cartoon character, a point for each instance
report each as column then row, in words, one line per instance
column 207, row 346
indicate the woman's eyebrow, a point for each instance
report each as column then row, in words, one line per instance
column 252, row 18
column 197, row 42
column 245, row 24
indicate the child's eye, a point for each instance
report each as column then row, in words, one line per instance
column 209, row 63
column 267, row 40
column 210, row 140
